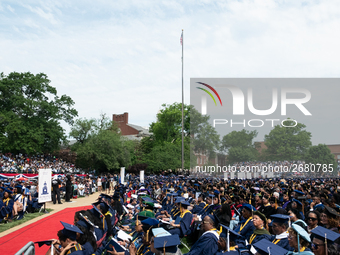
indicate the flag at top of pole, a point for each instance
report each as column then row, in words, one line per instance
column 182, row 38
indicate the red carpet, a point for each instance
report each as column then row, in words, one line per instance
column 43, row 229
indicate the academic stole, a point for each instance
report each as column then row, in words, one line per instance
column 77, row 247
column 6, row 202
column 275, row 241
column 245, row 224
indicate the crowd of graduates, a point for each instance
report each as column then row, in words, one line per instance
column 16, row 200
column 211, row 216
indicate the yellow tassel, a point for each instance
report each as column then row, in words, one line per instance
column 164, row 247
column 275, row 203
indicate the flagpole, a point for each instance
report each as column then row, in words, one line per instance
column 182, row 107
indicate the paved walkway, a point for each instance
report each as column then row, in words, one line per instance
column 83, row 201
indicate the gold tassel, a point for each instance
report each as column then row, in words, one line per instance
column 164, row 246
column 303, row 208
column 137, row 220
column 275, row 203
column 219, row 232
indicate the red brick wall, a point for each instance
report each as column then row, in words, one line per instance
column 122, row 121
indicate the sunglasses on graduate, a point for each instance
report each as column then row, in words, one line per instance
column 316, row 246
column 312, row 219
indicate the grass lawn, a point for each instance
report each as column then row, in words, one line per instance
column 186, row 241
column 27, row 217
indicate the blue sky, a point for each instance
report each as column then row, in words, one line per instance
column 125, row 56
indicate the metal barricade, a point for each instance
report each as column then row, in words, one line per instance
column 28, row 249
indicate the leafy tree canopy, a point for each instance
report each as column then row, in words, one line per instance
column 30, row 114
column 163, row 150
column 321, row 154
column 287, row 143
column 100, row 146
column 240, row 146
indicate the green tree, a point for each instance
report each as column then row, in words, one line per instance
column 240, row 146
column 321, row 154
column 204, row 138
column 31, row 112
column 82, row 129
column 287, row 143
column 168, row 126
column 163, row 149
column 100, row 145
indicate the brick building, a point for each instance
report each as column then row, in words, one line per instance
column 131, row 131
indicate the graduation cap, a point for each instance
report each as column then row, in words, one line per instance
column 147, row 226
column 213, row 218
column 301, row 231
column 147, row 199
column 115, row 196
column 159, row 232
column 167, row 243
column 141, row 217
column 87, row 221
column 234, row 235
column 185, row 203
column 8, row 191
column 299, row 192
column 280, row 218
column 265, row 247
column 106, row 196
column 331, row 211
column 97, row 213
column 248, row 207
column 325, row 235
column 70, row 231
column 150, row 221
column 297, row 201
column 179, row 199
column 41, row 243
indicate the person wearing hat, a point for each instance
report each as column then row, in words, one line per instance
column 207, row 208
column 265, row 247
column 87, row 239
column 279, row 228
column 182, row 224
column 165, row 245
column 260, row 232
column 226, row 243
column 148, row 207
column 67, row 239
column 266, row 207
column 323, row 241
column 6, row 206
column 329, row 218
column 246, row 226
column 147, row 226
column 299, row 239
column 199, row 205
column 207, row 243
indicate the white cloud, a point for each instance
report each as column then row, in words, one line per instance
column 10, row 8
